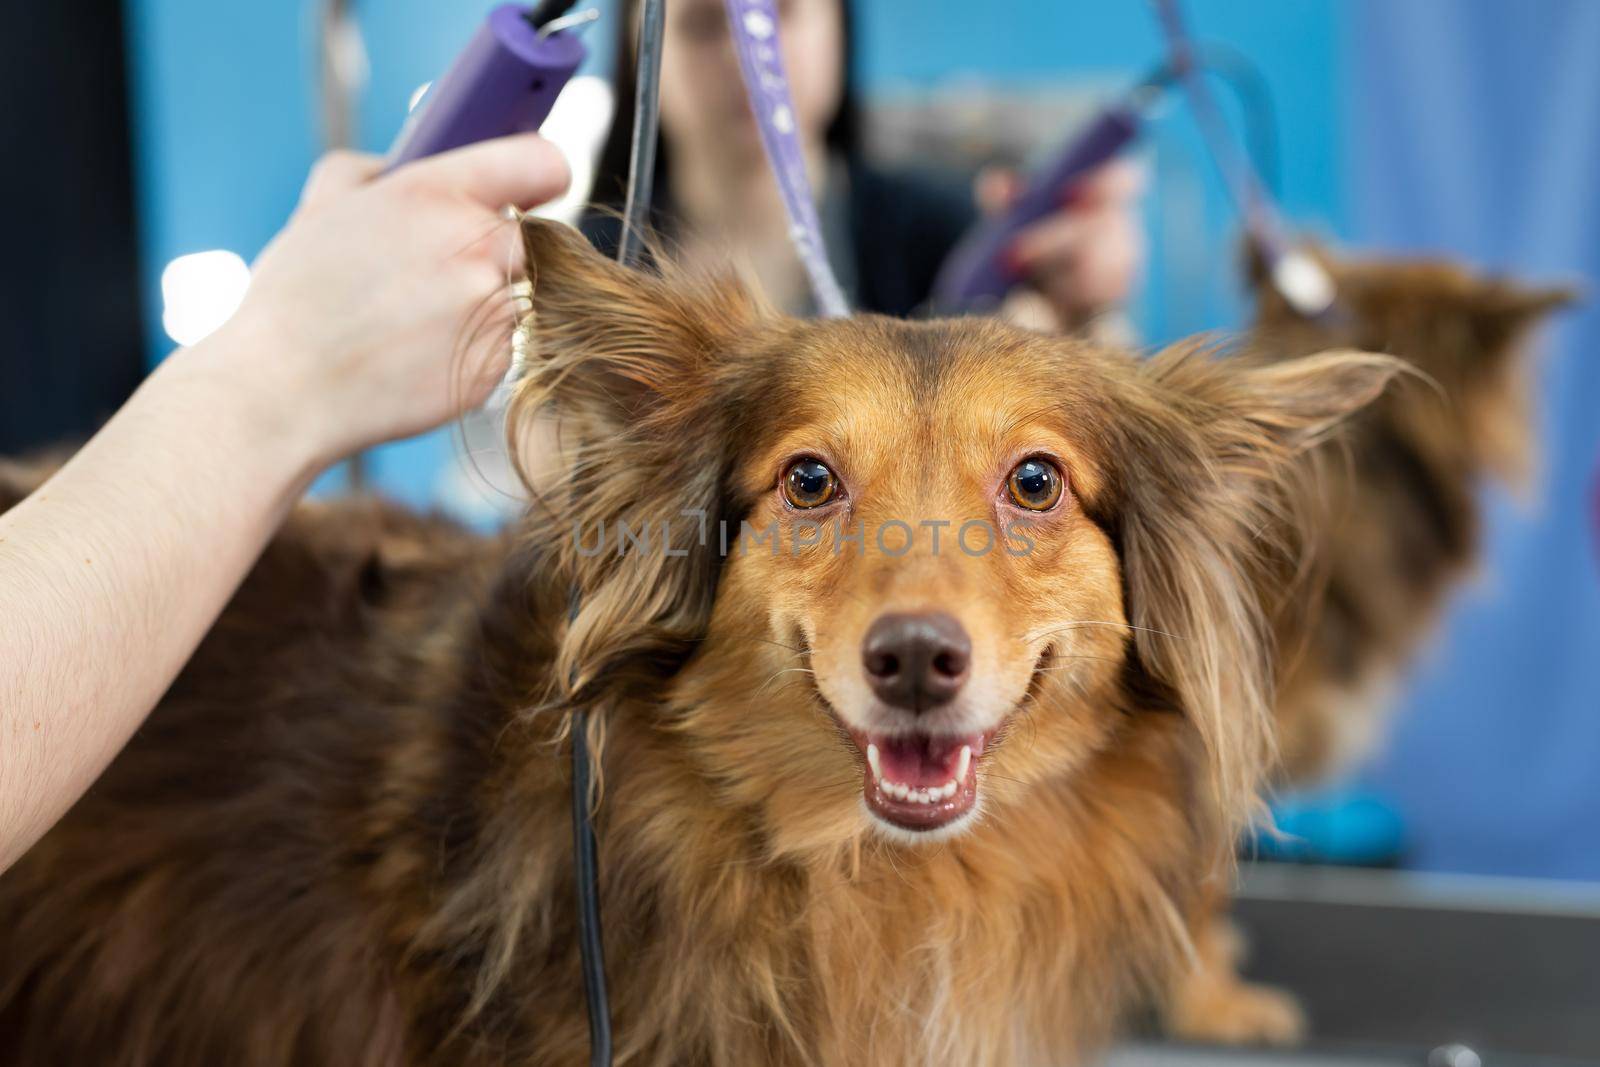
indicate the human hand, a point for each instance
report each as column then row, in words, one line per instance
column 1085, row 257
column 381, row 310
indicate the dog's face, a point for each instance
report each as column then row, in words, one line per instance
column 941, row 562
column 923, row 525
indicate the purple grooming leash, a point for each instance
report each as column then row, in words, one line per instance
column 754, row 25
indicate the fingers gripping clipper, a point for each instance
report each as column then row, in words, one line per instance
column 977, row 274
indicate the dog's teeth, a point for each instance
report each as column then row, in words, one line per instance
column 932, row 794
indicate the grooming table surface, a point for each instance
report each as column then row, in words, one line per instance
column 1174, row 1056
column 1392, row 965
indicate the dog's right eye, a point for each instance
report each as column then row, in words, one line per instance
column 1035, row 484
column 808, row 483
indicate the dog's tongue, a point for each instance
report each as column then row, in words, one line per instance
column 921, row 761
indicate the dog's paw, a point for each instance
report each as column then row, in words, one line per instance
column 1226, row 1011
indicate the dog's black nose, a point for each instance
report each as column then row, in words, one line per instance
column 916, row 662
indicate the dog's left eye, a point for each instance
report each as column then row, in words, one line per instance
column 808, row 483
column 1035, row 484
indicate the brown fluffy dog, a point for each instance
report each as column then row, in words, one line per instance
column 1393, row 529
column 889, row 800
column 1397, row 522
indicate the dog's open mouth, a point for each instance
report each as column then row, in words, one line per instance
column 920, row 782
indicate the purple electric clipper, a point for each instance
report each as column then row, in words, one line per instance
column 978, row 273
column 505, row 82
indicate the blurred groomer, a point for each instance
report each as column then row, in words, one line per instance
column 887, row 231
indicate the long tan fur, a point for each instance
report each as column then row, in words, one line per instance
column 343, row 838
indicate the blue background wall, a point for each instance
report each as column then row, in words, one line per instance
column 1475, row 128
column 1469, row 126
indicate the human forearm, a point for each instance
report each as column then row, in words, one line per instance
column 111, row 573
column 351, row 334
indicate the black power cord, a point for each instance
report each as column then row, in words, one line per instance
column 646, row 125
column 586, row 862
column 641, row 170
column 548, row 11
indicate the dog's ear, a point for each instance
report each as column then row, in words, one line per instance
column 1210, row 500
column 1504, row 312
column 1518, row 301
column 1489, row 379
column 619, row 379
column 611, row 341
column 1280, row 408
